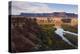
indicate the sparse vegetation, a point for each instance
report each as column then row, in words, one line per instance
column 27, row 35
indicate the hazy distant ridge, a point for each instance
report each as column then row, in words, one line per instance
column 63, row 14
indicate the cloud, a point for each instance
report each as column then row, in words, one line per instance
column 29, row 7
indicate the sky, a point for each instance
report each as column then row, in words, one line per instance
column 18, row 7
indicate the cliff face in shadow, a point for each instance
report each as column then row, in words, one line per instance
column 24, row 34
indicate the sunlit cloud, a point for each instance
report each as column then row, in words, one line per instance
column 28, row 7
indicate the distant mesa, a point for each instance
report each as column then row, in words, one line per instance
column 54, row 14
column 59, row 14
